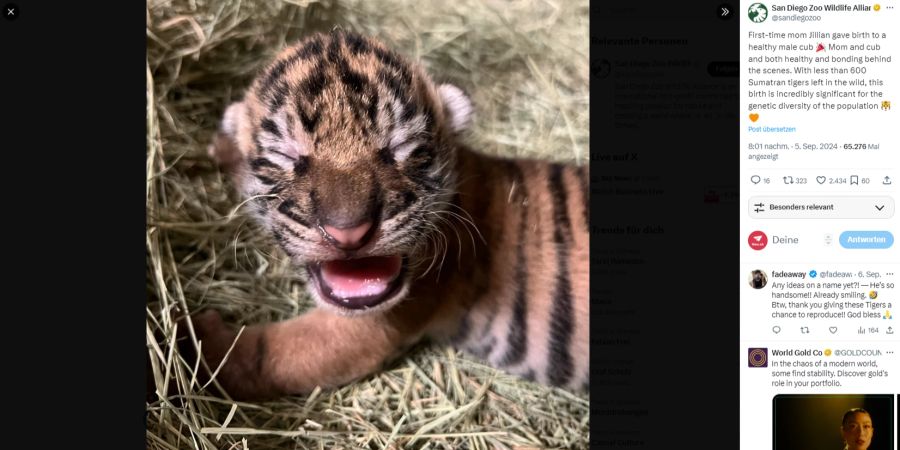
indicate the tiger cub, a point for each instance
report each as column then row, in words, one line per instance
column 351, row 154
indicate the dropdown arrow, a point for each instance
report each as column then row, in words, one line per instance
column 879, row 207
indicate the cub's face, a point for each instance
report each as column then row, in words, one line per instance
column 348, row 152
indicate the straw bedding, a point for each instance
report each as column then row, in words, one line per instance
column 525, row 66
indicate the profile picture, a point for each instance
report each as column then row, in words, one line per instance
column 838, row 421
column 758, row 357
column 601, row 68
column 758, row 13
column 758, row 279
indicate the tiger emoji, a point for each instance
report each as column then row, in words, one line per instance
column 352, row 158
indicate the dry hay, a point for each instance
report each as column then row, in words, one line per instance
column 525, row 65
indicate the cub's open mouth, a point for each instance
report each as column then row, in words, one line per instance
column 358, row 283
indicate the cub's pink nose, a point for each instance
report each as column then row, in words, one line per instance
column 350, row 238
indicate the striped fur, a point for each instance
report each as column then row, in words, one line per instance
column 341, row 131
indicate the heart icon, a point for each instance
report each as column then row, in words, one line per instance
column 832, row 329
column 754, row 117
column 820, row 179
column 776, row 329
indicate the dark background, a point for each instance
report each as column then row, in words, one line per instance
column 664, row 220
column 72, row 130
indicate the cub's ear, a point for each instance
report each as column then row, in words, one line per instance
column 224, row 147
column 457, row 106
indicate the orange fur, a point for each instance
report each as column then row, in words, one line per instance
column 496, row 256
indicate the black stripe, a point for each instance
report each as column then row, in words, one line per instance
column 259, row 163
column 290, row 123
column 269, row 125
column 278, row 95
column 409, row 110
column 352, row 79
column 560, row 213
column 409, row 197
column 283, row 242
column 334, row 47
column 396, row 86
column 394, row 62
column 386, row 155
column 400, row 89
column 517, row 339
column 428, row 111
column 261, row 204
column 373, row 109
column 357, row 44
column 400, row 202
column 262, row 170
column 420, row 160
column 428, row 184
column 289, row 230
column 355, row 85
column 279, row 237
column 272, row 150
column 302, row 166
column 264, row 179
column 585, row 194
column 287, row 208
column 424, row 181
column 311, row 48
column 314, row 200
column 423, row 151
column 274, row 74
column 314, row 83
column 358, row 108
column 255, row 137
column 310, row 122
column 275, row 190
column 560, row 367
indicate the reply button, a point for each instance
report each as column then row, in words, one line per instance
column 867, row 239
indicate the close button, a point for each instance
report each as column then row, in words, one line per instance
column 11, row 11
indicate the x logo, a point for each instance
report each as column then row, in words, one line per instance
column 10, row 12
